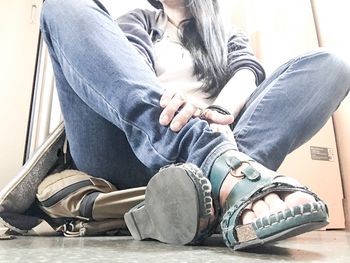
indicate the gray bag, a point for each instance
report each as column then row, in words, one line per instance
column 68, row 202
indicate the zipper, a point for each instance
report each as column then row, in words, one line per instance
column 65, row 150
column 63, row 193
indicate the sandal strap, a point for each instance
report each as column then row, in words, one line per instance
column 246, row 187
column 256, row 182
column 224, row 164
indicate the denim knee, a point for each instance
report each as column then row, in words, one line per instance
column 330, row 65
column 334, row 63
column 56, row 12
column 65, row 12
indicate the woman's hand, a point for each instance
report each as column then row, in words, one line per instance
column 177, row 111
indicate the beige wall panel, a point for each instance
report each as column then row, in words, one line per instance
column 279, row 30
column 342, row 129
column 333, row 26
column 19, row 37
column 322, row 176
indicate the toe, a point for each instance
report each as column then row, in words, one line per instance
column 272, row 204
column 248, row 216
column 298, row 198
column 275, row 203
column 260, row 208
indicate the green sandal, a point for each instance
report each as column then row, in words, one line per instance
column 256, row 182
column 176, row 209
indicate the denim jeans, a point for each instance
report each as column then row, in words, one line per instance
column 110, row 102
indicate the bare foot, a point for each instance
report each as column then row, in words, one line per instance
column 270, row 204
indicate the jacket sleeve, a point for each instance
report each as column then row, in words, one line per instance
column 136, row 26
column 240, row 55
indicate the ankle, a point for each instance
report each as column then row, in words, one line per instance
column 229, row 182
column 226, row 171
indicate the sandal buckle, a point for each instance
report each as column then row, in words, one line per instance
column 251, row 173
column 233, row 162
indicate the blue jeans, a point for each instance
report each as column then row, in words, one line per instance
column 110, row 102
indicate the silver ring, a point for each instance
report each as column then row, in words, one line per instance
column 203, row 113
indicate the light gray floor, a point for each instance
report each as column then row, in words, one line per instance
column 319, row 246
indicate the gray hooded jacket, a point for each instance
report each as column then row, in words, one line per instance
column 145, row 27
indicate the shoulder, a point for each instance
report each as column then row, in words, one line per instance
column 141, row 15
column 150, row 21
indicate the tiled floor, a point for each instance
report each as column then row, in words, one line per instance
column 319, row 246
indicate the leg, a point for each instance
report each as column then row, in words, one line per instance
column 97, row 146
column 286, row 111
column 291, row 106
column 82, row 39
column 123, row 97
column 251, row 198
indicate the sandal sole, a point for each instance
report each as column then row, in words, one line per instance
column 314, row 218
column 172, row 207
column 292, row 232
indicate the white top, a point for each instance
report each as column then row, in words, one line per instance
column 174, row 67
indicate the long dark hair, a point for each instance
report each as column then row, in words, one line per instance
column 204, row 36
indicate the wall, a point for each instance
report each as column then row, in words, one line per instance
column 19, row 38
column 333, row 21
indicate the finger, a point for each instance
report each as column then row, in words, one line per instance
column 166, row 97
column 171, row 108
column 198, row 112
column 182, row 117
column 216, row 117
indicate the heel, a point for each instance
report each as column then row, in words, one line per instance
column 138, row 222
column 172, row 211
